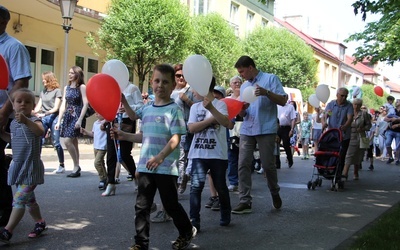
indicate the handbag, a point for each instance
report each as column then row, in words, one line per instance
column 364, row 142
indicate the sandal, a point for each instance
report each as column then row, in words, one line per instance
column 39, row 228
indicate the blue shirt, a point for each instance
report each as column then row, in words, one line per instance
column 18, row 61
column 262, row 113
column 338, row 116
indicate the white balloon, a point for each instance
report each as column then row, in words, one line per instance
column 248, row 94
column 313, row 100
column 323, row 92
column 118, row 71
column 198, row 73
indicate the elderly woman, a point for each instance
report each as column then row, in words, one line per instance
column 361, row 123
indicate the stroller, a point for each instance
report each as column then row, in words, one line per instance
column 327, row 160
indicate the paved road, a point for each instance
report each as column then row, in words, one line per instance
column 79, row 218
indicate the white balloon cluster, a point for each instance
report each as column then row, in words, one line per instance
column 322, row 94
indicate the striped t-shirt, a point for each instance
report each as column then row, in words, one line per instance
column 159, row 124
column 26, row 167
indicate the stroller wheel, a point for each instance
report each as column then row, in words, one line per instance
column 309, row 184
column 319, row 182
column 313, row 185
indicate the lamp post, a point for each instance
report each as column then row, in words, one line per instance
column 67, row 11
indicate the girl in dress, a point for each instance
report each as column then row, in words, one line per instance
column 72, row 115
column 26, row 169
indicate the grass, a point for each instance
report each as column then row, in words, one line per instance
column 383, row 233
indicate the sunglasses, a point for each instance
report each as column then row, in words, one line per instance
column 179, row 76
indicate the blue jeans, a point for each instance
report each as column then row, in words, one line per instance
column 49, row 122
column 233, row 158
column 217, row 169
column 390, row 135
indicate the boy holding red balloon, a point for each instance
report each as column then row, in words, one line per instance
column 161, row 130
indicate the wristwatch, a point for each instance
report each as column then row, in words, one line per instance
column 268, row 92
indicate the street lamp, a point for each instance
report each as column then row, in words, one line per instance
column 67, row 11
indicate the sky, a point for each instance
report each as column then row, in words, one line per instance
column 331, row 20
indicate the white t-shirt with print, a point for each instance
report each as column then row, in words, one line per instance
column 210, row 143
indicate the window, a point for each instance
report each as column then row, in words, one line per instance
column 249, row 22
column 264, row 23
column 233, row 16
column 200, row 7
column 89, row 66
column 326, row 72
column 42, row 60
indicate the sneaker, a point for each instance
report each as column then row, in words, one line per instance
column 216, row 206
column 261, row 171
column 59, row 170
column 102, row 185
column 182, row 242
column 196, row 224
column 135, row 247
column 39, row 228
column 5, row 236
column 233, row 188
column 117, row 181
column 397, row 162
column 390, row 161
column 211, row 201
column 242, row 208
column 129, row 177
column 355, row 177
column 371, row 167
column 276, row 200
column 161, row 217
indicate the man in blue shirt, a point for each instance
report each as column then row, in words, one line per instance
column 259, row 127
column 18, row 61
column 340, row 113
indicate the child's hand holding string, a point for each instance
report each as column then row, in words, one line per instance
column 20, row 117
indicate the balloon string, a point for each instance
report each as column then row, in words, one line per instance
column 12, row 104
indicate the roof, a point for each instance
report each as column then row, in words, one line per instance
column 359, row 66
column 394, row 87
column 307, row 39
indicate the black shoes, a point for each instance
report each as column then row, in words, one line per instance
column 75, row 174
column 276, row 200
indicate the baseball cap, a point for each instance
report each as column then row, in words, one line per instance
column 221, row 90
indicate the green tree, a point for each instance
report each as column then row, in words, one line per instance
column 142, row 33
column 277, row 51
column 216, row 40
column 381, row 40
column 370, row 99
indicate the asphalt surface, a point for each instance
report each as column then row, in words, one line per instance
column 79, row 218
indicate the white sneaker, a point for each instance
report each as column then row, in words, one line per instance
column 261, row 171
column 233, row 188
column 60, row 170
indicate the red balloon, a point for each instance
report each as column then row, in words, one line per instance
column 234, row 106
column 378, row 91
column 104, row 95
column 3, row 73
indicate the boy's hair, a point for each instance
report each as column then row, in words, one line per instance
column 24, row 91
column 245, row 61
column 390, row 98
column 166, row 69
